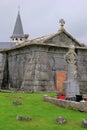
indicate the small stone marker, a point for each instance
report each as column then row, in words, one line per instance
column 17, row 102
column 23, row 118
column 84, row 123
column 61, row 120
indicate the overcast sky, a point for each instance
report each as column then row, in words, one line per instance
column 41, row 17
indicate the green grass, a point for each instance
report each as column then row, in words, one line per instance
column 43, row 114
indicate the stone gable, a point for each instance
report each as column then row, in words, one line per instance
column 62, row 39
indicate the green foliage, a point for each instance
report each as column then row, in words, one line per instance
column 43, row 114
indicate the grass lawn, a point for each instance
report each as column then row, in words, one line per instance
column 43, row 114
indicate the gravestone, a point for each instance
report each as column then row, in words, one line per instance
column 84, row 123
column 23, row 118
column 17, row 102
column 61, row 120
column 71, row 86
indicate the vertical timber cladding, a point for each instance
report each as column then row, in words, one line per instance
column 82, row 69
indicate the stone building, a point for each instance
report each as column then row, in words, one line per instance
column 31, row 65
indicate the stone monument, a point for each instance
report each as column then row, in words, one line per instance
column 71, row 86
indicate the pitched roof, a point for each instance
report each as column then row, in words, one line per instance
column 6, row 45
column 18, row 29
column 44, row 40
column 58, row 33
column 31, row 42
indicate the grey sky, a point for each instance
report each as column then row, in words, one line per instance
column 41, row 17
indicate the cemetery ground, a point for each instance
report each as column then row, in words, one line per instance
column 42, row 114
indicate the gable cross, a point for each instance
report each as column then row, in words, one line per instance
column 62, row 22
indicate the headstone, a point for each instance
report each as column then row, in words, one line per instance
column 17, row 102
column 23, row 118
column 84, row 123
column 61, row 120
column 71, row 86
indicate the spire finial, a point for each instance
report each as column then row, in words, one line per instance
column 18, row 8
column 62, row 22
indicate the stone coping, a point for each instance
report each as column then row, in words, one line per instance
column 80, row 106
column 31, row 43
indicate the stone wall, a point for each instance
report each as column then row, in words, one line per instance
column 82, row 69
column 33, row 68
column 17, row 61
column 4, row 72
column 80, row 106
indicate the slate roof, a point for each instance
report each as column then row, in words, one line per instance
column 6, row 45
column 18, row 29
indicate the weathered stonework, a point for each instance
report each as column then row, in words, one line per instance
column 80, row 106
column 32, row 66
column 71, row 85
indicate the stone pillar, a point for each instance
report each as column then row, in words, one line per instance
column 71, row 85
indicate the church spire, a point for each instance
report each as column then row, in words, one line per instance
column 18, row 33
column 18, row 29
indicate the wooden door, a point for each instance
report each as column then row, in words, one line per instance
column 60, row 78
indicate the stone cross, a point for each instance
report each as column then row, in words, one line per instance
column 71, row 86
column 71, row 59
column 62, row 22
